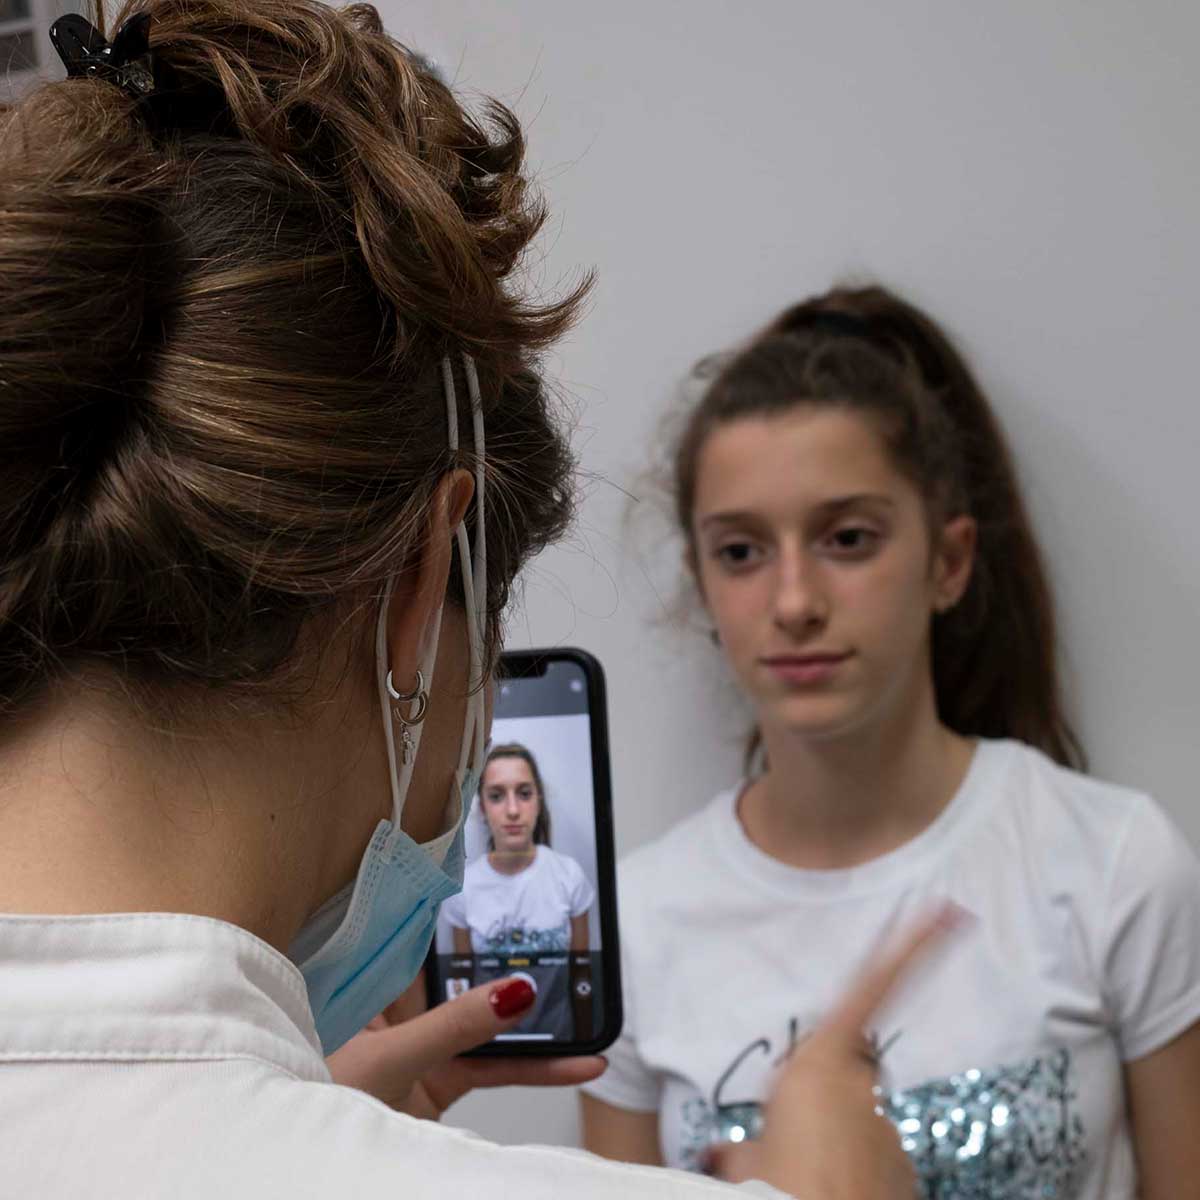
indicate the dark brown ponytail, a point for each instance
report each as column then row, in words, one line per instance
column 995, row 654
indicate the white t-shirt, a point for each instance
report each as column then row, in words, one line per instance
column 1002, row 1059
column 528, row 912
column 159, row 1055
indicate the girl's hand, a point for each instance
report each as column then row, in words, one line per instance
column 823, row 1135
column 406, row 1057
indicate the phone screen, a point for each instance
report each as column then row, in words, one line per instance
column 538, row 896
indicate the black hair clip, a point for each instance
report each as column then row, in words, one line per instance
column 127, row 62
column 838, row 324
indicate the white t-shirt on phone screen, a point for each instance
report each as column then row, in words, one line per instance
column 1002, row 1058
column 529, row 911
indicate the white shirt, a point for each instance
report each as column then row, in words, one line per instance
column 1084, row 955
column 158, row 1056
column 526, row 912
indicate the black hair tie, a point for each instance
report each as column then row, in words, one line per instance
column 128, row 61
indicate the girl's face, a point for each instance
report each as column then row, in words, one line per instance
column 813, row 556
column 510, row 804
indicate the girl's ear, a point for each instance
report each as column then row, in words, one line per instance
column 954, row 560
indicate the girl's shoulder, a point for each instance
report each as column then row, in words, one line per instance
column 478, row 870
column 1031, row 783
column 1075, row 822
column 554, row 862
column 1115, row 858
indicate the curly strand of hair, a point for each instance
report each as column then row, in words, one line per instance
column 428, row 177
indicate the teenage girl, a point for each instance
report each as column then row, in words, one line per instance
column 856, row 534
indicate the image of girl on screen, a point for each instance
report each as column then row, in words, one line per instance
column 524, row 906
column 856, row 534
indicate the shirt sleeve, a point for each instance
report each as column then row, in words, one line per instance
column 1151, row 951
column 580, row 893
column 628, row 1082
column 455, row 911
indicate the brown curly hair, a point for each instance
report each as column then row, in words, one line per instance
column 223, row 311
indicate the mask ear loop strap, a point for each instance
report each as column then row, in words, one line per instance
column 401, row 779
column 473, row 733
column 480, row 464
column 474, row 586
column 473, row 582
column 480, row 564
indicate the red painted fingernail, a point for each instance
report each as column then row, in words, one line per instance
column 512, row 997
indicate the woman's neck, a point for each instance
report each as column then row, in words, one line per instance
column 511, row 862
column 99, row 813
column 836, row 803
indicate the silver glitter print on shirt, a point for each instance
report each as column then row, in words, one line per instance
column 1009, row 1133
column 1005, row 1133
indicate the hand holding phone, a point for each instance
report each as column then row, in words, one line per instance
column 538, row 898
column 411, row 1060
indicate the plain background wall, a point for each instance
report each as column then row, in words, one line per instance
column 1027, row 170
column 25, row 50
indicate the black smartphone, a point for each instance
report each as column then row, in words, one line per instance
column 539, row 894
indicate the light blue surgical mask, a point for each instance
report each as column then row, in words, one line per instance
column 363, row 948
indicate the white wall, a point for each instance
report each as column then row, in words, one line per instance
column 1029, row 170
column 26, row 53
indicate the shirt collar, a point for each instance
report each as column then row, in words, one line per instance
column 150, row 986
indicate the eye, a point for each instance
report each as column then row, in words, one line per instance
column 738, row 555
column 854, row 541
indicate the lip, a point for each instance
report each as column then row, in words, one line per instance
column 801, row 670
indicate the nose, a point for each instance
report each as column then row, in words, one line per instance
column 800, row 603
column 511, row 808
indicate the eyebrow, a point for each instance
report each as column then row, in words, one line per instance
column 826, row 507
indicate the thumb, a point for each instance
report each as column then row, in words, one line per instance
column 461, row 1024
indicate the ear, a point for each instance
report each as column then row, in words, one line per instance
column 954, row 560
column 419, row 593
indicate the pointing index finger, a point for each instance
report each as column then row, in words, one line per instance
column 880, row 979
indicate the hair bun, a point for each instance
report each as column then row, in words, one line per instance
column 428, row 185
column 223, row 311
column 79, row 258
